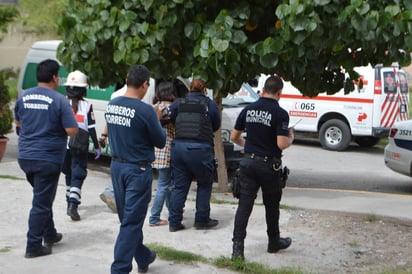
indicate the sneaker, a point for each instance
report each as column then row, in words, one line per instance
column 109, row 201
column 54, row 240
column 151, row 260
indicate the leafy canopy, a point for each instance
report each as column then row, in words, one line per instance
column 36, row 16
column 8, row 14
column 228, row 42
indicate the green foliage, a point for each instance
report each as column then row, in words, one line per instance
column 6, row 115
column 323, row 36
column 250, row 267
column 170, row 254
column 8, row 14
column 229, row 42
column 41, row 16
column 5, row 249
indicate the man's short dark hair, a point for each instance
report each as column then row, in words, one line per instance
column 273, row 84
column 46, row 70
column 137, row 75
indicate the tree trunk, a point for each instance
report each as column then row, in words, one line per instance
column 222, row 178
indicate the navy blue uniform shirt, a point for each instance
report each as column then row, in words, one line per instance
column 263, row 121
column 134, row 129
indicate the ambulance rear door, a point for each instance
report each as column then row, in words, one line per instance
column 391, row 102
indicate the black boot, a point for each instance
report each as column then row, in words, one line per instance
column 72, row 211
column 237, row 253
column 279, row 243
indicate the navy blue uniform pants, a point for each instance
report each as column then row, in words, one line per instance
column 190, row 160
column 255, row 174
column 43, row 176
column 132, row 186
column 75, row 169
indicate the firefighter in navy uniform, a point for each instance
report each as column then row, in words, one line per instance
column 267, row 128
column 196, row 118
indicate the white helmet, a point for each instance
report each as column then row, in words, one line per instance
column 76, row 79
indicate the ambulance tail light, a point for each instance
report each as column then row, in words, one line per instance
column 393, row 132
column 378, row 87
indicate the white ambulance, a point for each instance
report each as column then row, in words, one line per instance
column 364, row 115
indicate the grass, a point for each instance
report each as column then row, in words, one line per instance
column 371, row 218
column 170, row 254
column 5, row 249
column 354, row 243
column 11, row 177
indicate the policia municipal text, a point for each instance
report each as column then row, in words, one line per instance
column 267, row 133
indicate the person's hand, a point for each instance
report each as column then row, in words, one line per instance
column 97, row 153
column 158, row 108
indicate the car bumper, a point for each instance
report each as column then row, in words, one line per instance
column 398, row 159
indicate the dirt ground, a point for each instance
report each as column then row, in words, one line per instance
column 349, row 243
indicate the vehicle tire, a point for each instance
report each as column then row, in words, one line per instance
column 366, row 141
column 335, row 135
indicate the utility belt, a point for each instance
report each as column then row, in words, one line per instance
column 141, row 163
column 275, row 162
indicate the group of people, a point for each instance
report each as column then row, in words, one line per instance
column 175, row 136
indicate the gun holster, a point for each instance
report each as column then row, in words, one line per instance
column 284, row 176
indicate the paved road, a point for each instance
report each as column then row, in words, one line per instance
column 313, row 167
column 356, row 168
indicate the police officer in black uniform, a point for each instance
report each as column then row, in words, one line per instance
column 196, row 118
column 267, row 127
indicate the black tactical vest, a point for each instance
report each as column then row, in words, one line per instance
column 192, row 121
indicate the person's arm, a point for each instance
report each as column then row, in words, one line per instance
column 286, row 141
column 156, row 131
column 71, row 131
column 237, row 138
column 104, row 135
column 92, row 127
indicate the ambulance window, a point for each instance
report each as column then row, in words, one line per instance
column 389, row 82
column 403, row 83
column 30, row 79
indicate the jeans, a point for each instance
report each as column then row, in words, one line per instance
column 162, row 194
column 133, row 190
column 43, row 176
column 75, row 169
column 191, row 160
column 255, row 174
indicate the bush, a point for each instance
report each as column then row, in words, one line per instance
column 6, row 115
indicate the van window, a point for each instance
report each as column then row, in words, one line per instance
column 94, row 92
column 389, row 82
column 29, row 81
column 403, row 83
column 30, row 78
